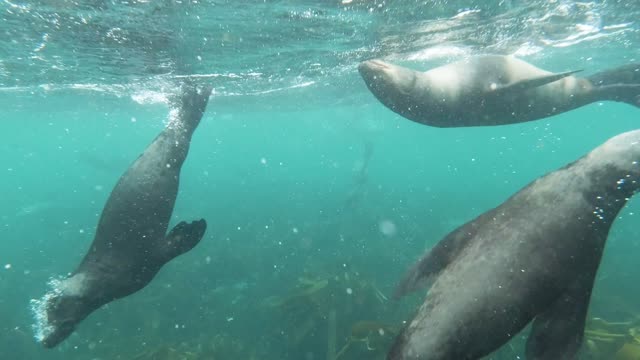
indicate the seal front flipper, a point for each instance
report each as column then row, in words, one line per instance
column 436, row 259
column 529, row 83
column 182, row 238
column 558, row 331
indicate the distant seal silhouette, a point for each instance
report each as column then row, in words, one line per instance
column 534, row 257
column 131, row 244
column 492, row 90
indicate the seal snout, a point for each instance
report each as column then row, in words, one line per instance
column 374, row 72
column 57, row 335
column 373, row 66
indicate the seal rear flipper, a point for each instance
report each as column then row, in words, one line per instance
column 558, row 331
column 436, row 259
column 192, row 103
column 626, row 74
column 183, row 237
column 627, row 93
column 621, row 83
column 530, row 83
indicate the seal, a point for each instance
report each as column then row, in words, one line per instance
column 131, row 243
column 493, row 90
column 534, row 257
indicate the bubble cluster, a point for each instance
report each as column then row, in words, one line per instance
column 599, row 213
column 42, row 328
column 388, row 228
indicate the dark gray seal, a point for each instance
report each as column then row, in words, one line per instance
column 131, row 243
column 492, row 90
column 534, row 257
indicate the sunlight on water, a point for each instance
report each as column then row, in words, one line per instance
column 173, row 120
column 146, row 97
column 439, row 52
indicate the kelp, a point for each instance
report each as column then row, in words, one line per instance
column 217, row 347
column 612, row 340
column 374, row 336
column 330, row 304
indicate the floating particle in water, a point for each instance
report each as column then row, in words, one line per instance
column 294, row 230
column 387, row 227
column 133, row 119
column 207, row 259
column 7, row 266
column 349, row 291
column 263, row 161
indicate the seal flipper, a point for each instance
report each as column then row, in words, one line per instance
column 529, row 83
column 182, row 238
column 626, row 74
column 621, row 83
column 436, row 259
column 191, row 103
column 627, row 93
column 557, row 332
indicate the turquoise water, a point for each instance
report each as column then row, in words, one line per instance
column 318, row 198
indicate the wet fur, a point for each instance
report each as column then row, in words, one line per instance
column 534, row 257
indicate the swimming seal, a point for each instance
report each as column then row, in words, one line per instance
column 534, row 257
column 492, row 90
column 131, row 243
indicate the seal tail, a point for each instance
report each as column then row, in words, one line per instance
column 618, row 84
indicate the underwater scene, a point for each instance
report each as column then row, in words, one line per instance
column 319, row 179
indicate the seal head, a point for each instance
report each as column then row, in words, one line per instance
column 390, row 84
